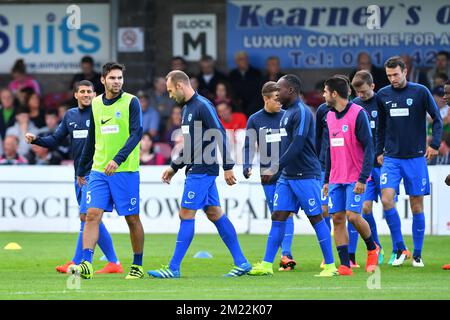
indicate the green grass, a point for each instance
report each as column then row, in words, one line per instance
column 30, row 273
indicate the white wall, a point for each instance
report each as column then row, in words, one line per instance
column 34, row 198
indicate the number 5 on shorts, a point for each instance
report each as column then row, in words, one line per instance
column 383, row 178
column 88, row 197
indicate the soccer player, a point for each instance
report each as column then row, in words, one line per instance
column 299, row 183
column 200, row 120
column 348, row 165
column 364, row 86
column 322, row 146
column 112, row 146
column 263, row 133
column 401, row 150
column 76, row 124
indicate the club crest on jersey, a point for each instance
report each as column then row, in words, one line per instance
column 409, row 101
column 374, row 113
column 118, row 114
column 357, row 198
column 133, row 201
column 312, row 202
column 88, row 123
column 344, row 128
column 191, row 195
column 189, row 117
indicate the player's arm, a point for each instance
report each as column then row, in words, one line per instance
column 249, row 147
column 327, row 170
column 88, row 151
column 435, row 114
column 381, row 130
column 301, row 128
column 133, row 139
column 319, row 129
column 364, row 136
column 212, row 121
column 55, row 139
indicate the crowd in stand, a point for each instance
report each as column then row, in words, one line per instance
column 235, row 94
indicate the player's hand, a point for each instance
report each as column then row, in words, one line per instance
column 431, row 153
column 325, row 190
column 360, row 188
column 29, row 137
column 111, row 168
column 229, row 177
column 380, row 159
column 447, row 180
column 267, row 174
column 167, row 175
column 247, row 172
column 81, row 181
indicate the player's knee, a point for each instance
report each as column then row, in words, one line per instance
column 315, row 219
column 214, row 216
column 94, row 216
column 280, row 215
column 338, row 220
column 133, row 220
column 352, row 218
column 388, row 202
column 367, row 207
column 416, row 206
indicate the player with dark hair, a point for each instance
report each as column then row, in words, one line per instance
column 76, row 124
column 112, row 146
column 263, row 134
column 402, row 152
column 299, row 183
column 348, row 165
column 202, row 169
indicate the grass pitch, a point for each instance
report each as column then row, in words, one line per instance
column 30, row 273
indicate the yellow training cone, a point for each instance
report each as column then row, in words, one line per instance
column 13, row 246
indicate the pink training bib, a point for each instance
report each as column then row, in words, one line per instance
column 347, row 153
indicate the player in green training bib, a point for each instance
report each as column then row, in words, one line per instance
column 112, row 148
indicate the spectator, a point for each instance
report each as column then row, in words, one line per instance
column 21, row 80
column 438, row 96
column 439, row 79
column 62, row 111
column 246, row 83
column 159, row 98
column 365, row 63
column 194, row 83
column 178, row 63
column 231, row 120
column 22, row 126
column 87, row 73
column 442, row 65
column 414, row 74
column 222, row 94
column 446, row 121
column 42, row 156
column 444, row 151
column 11, row 154
column 272, row 72
column 148, row 156
column 150, row 116
column 208, row 77
column 7, row 111
column 173, row 124
column 37, row 113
